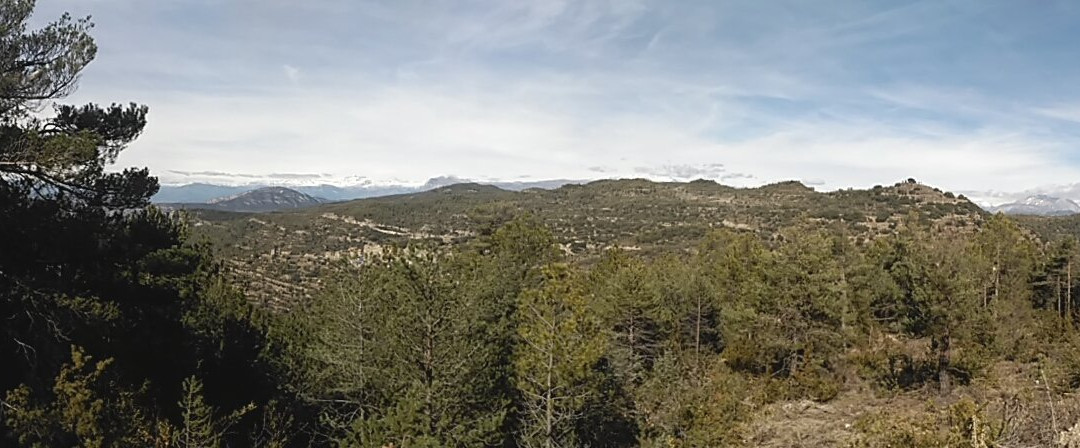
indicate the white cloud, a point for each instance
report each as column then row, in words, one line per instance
column 417, row 132
column 573, row 89
column 1066, row 112
column 292, row 73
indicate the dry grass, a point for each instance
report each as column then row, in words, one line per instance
column 1011, row 406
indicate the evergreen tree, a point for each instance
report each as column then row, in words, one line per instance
column 200, row 427
column 812, row 301
column 627, row 304
column 1006, row 257
column 89, row 408
column 59, row 208
column 559, row 365
column 1003, row 261
column 941, row 299
column 421, row 361
column 1055, row 279
column 84, row 261
column 683, row 404
column 733, row 268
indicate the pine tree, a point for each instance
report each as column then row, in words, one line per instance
column 562, row 345
column 84, row 259
column 61, row 235
column 940, row 296
column 732, row 269
column 1003, row 259
column 425, row 374
column 682, row 404
column 336, row 336
column 1007, row 259
column 1055, row 279
column 88, row 407
column 620, row 290
column 196, row 418
column 812, row 299
column 199, row 426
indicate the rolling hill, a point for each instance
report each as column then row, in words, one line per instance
column 281, row 257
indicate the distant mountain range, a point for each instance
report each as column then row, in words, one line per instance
column 202, row 193
column 265, row 199
column 270, row 198
column 1041, row 205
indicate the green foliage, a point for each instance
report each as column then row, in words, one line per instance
column 962, row 424
column 686, row 405
column 650, row 218
column 199, row 426
column 933, row 294
column 559, row 364
column 84, row 261
column 618, row 313
column 88, row 407
column 620, row 291
column 412, row 344
column 46, row 62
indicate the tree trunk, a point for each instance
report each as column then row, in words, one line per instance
column 1068, row 293
column 363, row 337
column 943, row 362
column 1057, row 297
column 632, row 342
column 429, row 378
column 549, row 411
column 697, row 329
column 997, row 281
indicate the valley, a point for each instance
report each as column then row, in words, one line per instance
column 282, row 257
column 441, row 224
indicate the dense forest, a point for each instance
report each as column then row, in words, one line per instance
column 119, row 329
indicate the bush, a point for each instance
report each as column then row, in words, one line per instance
column 895, row 366
column 963, row 424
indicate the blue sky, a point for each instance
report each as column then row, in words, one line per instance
column 974, row 96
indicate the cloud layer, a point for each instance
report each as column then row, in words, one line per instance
column 973, row 96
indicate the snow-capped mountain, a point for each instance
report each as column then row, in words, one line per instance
column 1040, row 204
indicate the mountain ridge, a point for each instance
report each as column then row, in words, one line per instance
column 199, row 192
column 259, row 200
column 1039, row 205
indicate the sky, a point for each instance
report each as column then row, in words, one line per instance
column 972, row 96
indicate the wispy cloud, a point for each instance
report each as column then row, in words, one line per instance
column 1069, row 113
column 684, row 172
column 292, row 73
column 232, row 177
column 973, row 96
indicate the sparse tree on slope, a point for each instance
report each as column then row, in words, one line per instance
column 557, row 364
column 428, row 361
column 941, row 298
column 627, row 303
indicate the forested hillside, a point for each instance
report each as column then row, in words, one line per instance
column 284, row 257
column 614, row 314
column 921, row 338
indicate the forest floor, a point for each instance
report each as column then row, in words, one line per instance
column 1012, row 398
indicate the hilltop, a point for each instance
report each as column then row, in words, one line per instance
column 282, row 256
column 266, row 199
